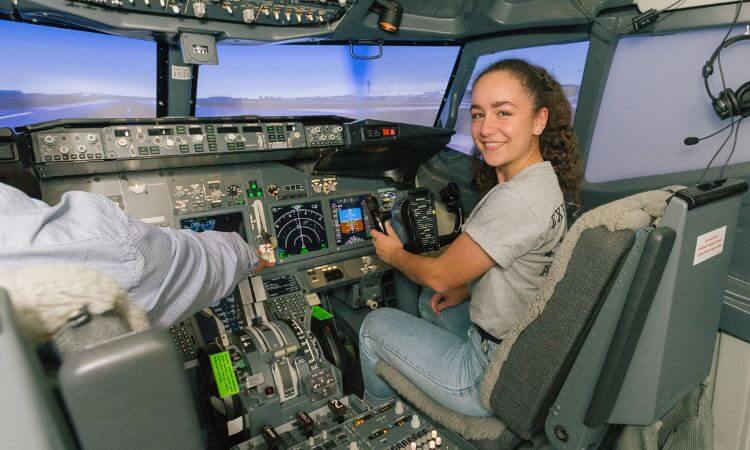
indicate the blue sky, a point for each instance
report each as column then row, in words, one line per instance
column 324, row 70
column 57, row 61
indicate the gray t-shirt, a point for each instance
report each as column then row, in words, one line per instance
column 519, row 224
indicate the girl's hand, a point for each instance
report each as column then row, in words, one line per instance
column 387, row 244
column 453, row 297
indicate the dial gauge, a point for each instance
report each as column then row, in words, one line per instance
column 234, row 191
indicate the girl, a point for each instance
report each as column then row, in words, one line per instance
column 521, row 129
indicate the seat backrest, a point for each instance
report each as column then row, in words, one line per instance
column 652, row 346
column 124, row 392
column 539, row 360
column 31, row 418
column 675, row 349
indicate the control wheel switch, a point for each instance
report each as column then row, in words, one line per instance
column 271, row 437
column 305, row 423
column 337, row 408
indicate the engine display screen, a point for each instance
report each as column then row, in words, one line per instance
column 281, row 286
column 221, row 222
column 350, row 222
column 300, row 229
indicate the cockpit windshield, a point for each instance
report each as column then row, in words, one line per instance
column 406, row 84
column 57, row 73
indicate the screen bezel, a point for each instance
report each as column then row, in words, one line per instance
column 365, row 217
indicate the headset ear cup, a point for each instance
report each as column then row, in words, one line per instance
column 721, row 107
column 732, row 103
column 743, row 99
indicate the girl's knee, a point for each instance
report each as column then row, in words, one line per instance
column 377, row 323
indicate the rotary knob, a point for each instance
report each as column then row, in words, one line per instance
column 248, row 15
column 230, row 137
column 122, row 142
column 64, row 150
column 296, row 135
column 137, row 186
column 198, row 138
column 199, row 9
column 91, row 138
column 169, row 143
column 81, row 149
column 49, row 140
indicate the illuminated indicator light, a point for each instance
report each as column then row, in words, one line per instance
column 254, row 185
column 304, row 250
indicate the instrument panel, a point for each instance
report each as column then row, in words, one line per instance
column 153, row 140
column 251, row 12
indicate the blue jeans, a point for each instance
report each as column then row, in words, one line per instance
column 443, row 355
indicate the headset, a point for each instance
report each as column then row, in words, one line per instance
column 729, row 103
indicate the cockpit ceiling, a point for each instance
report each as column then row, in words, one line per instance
column 257, row 21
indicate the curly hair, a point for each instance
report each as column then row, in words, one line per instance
column 558, row 143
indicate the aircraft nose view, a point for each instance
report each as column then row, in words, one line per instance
column 374, row 224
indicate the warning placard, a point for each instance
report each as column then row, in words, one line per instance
column 223, row 371
column 709, row 245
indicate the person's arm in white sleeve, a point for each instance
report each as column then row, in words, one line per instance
column 168, row 273
column 184, row 271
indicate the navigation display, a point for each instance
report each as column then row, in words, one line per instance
column 350, row 222
column 300, row 229
column 220, row 222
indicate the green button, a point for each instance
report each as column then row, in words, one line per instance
column 181, row 130
column 143, row 150
column 198, row 150
column 259, row 193
column 320, row 313
column 153, row 150
column 240, row 146
column 231, row 146
column 240, row 202
column 249, row 193
column 254, row 185
column 209, row 128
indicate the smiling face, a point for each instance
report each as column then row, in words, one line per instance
column 504, row 126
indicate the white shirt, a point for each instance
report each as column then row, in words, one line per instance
column 169, row 273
